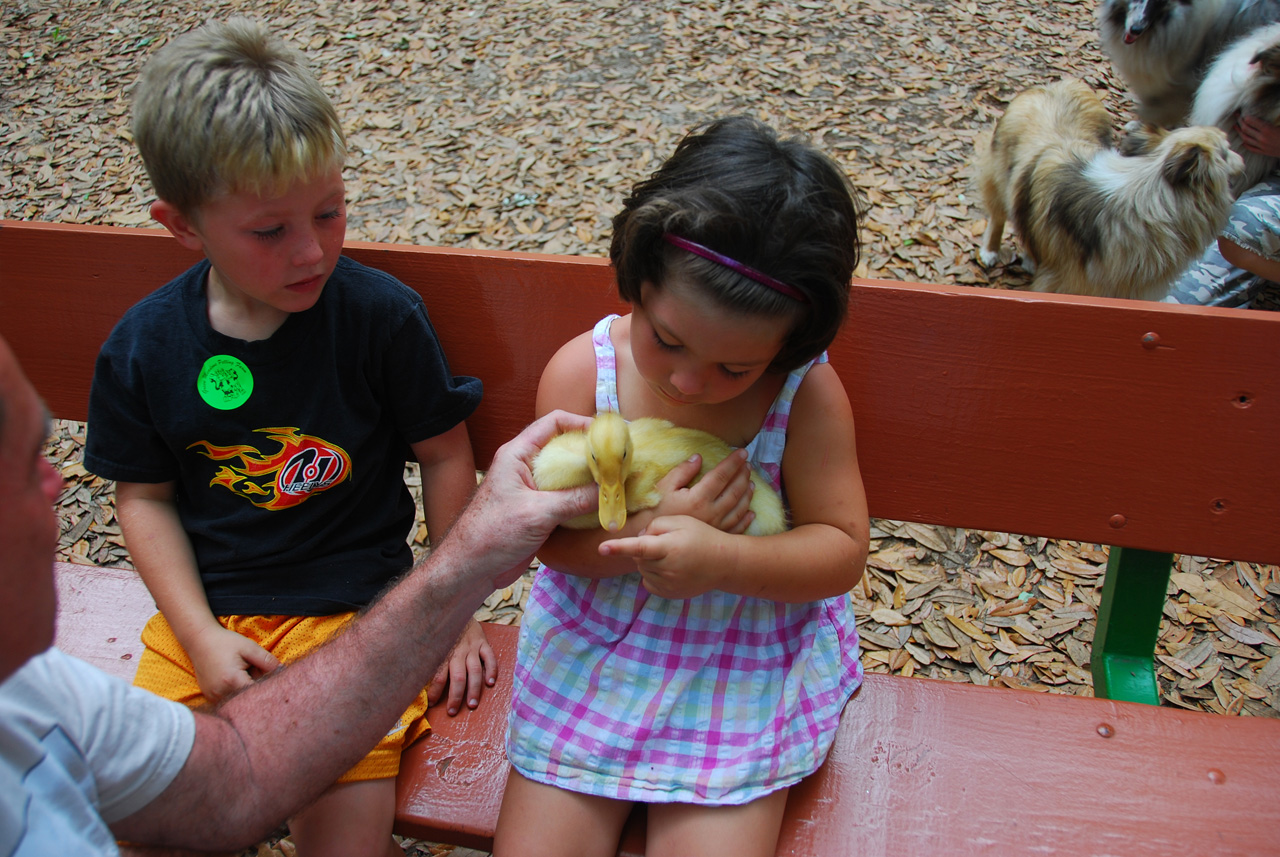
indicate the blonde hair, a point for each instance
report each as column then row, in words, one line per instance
column 229, row 108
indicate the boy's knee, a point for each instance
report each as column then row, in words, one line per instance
column 349, row 820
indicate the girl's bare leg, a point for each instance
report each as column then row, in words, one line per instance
column 750, row 830
column 538, row 820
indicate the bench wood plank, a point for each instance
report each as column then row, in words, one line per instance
column 101, row 612
column 1053, row 415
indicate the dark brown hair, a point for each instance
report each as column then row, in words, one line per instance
column 777, row 205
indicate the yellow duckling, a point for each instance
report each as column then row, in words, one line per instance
column 627, row 459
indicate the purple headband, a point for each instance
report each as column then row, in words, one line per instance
column 734, row 265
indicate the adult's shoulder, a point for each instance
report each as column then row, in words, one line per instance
column 38, row 669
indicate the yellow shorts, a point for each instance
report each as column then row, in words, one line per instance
column 165, row 669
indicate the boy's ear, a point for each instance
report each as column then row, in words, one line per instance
column 178, row 224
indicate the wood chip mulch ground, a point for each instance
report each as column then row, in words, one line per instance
column 520, row 124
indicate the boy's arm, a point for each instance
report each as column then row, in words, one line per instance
column 224, row 661
column 448, row 479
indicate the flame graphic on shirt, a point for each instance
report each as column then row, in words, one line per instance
column 303, row 466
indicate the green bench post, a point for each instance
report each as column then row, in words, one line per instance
column 1133, row 596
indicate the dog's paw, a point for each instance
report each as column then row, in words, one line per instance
column 988, row 258
column 1025, row 262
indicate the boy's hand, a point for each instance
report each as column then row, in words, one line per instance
column 471, row 667
column 677, row 557
column 225, row 662
column 721, row 499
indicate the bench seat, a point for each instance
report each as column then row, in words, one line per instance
column 916, row 763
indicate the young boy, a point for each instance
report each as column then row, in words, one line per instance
column 257, row 411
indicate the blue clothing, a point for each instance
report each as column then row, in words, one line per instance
column 80, row 749
column 1253, row 224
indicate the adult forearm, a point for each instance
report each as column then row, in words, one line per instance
column 277, row 745
column 274, row 747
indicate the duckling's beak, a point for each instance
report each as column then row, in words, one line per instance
column 613, row 506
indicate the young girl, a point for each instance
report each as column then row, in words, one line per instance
column 679, row 663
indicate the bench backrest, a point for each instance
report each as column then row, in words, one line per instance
column 1117, row 422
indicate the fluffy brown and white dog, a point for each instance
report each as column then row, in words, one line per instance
column 1091, row 220
column 1244, row 79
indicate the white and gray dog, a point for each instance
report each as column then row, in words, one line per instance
column 1161, row 49
column 1243, row 80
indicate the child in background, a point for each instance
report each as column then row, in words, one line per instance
column 681, row 663
column 258, row 410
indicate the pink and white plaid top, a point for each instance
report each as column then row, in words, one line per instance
column 717, row 699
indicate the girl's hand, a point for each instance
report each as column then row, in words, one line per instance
column 471, row 667
column 225, row 662
column 721, row 499
column 678, row 557
column 1259, row 136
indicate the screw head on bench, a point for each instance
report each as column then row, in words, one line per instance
column 1117, row 521
column 1217, row 777
column 1106, row 730
column 1150, row 340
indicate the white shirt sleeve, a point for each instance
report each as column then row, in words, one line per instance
column 133, row 742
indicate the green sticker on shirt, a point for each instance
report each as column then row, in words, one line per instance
column 225, row 382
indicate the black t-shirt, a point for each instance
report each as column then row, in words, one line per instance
column 288, row 453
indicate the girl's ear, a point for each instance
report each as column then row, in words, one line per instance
column 178, row 224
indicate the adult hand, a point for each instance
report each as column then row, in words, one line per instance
column 508, row 519
column 1259, row 136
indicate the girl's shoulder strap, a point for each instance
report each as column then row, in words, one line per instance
column 766, row 448
column 606, row 365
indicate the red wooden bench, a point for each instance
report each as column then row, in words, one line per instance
column 1148, row 427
